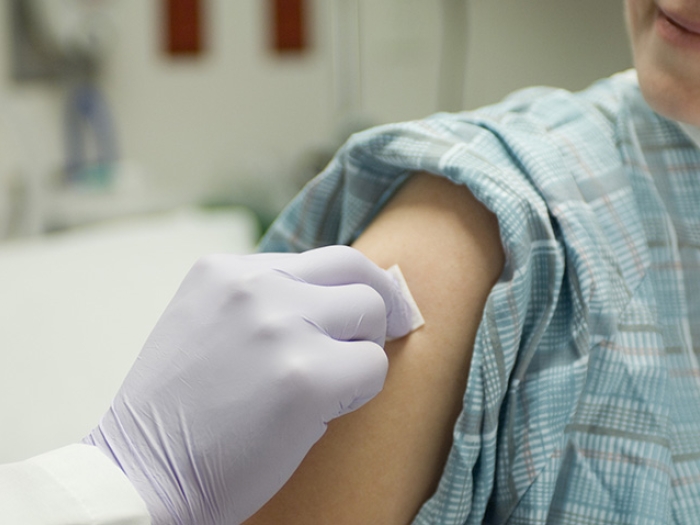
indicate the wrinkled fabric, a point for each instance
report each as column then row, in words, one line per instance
column 583, row 402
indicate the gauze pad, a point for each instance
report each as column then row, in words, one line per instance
column 405, row 317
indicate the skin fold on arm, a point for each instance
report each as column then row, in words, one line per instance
column 380, row 463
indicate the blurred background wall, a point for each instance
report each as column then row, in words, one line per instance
column 238, row 117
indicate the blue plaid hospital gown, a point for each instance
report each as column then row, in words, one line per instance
column 583, row 400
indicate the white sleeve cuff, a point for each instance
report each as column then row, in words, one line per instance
column 76, row 485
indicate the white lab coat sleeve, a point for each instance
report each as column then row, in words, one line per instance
column 76, row 485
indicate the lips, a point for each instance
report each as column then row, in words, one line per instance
column 681, row 22
column 681, row 31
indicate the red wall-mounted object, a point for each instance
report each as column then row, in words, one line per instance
column 184, row 27
column 289, row 25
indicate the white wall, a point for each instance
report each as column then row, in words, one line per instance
column 233, row 108
column 241, row 108
column 563, row 43
column 239, row 112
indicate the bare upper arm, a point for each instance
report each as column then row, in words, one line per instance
column 380, row 463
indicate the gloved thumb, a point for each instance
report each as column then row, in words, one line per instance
column 342, row 265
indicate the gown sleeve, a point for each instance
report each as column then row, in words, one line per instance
column 73, row 485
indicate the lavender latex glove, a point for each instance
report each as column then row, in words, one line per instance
column 250, row 360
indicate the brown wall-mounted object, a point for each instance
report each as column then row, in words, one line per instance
column 184, row 27
column 289, row 25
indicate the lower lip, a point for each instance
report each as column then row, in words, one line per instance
column 675, row 34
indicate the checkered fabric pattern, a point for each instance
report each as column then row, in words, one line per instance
column 583, row 401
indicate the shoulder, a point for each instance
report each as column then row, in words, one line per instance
column 554, row 107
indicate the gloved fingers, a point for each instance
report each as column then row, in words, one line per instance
column 338, row 265
column 265, row 257
column 216, row 269
column 351, row 312
column 354, row 374
column 342, row 265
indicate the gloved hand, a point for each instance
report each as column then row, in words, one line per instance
column 250, row 360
